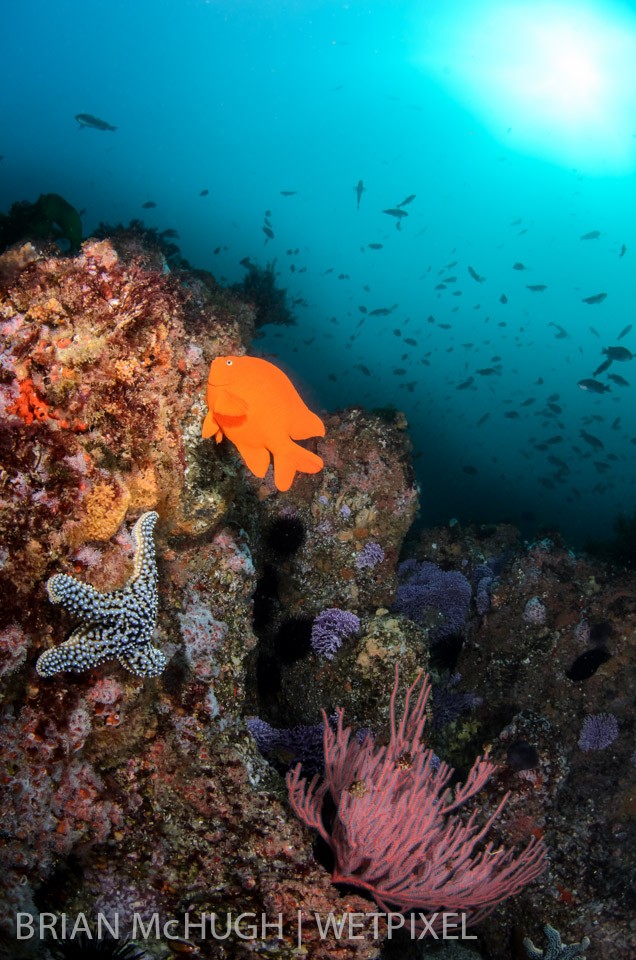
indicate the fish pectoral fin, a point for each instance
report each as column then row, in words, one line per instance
column 293, row 459
column 228, row 404
column 256, row 459
column 211, row 428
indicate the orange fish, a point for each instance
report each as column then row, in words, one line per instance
column 257, row 407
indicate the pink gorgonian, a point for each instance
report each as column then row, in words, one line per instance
column 398, row 831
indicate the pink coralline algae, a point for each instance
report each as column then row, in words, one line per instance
column 53, row 798
column 203, row 637
column 13, row 648
column 396, row 832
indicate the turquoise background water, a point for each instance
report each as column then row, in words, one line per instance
column 513, row 124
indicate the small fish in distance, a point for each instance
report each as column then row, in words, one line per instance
column 592, row 235
column 605, row 365
column 169, row 234
column 288, row 193
column 148, row 205
column 593, row 386
column 409, row 199
column 204, row 193
column 88, row 120
column 396, row 212
column 595, row 298
column 475, row 275
column 592, row 440
column 359, row 192
column 617, row 353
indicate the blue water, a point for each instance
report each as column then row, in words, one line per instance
column 516, row 137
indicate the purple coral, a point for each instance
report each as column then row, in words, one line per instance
column 330, row 628
column 429, row 588
column 599, row 730
column 302, row 743
column 534, row 612
column 370, row 556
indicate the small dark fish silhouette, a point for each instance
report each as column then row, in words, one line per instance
column 288, row 193
column 148, row 205
column 593, row 386
column 518, row 266
column 592, row 235
column 88, row 120
column 562, row 334
column 466, row 384
column 624, row 332
column 592, row 440
column 409, row 199
column 359, row 192
column 621, row 381
column 536, row 287
column 396, row 212
column 623, row 251
column 595, row 298
column 204, row 193
column 503, row 298
column 475, row 275
column 170, row 234
column 602, row 368
column 618, row 353
column 269, row 233
column 375, row 246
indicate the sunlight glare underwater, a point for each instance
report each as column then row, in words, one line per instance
column 556, row 81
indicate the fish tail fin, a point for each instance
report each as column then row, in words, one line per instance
column 294, row 459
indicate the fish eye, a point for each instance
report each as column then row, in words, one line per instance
column 228, row 363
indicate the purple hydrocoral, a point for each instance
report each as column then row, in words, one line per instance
column 598, row 731
column 330, row 628
column 302, row 743
column 369, row 557
column 428, row 587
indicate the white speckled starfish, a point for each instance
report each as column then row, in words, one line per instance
column 116, row 625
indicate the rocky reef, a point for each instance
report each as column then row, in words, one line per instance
column 126, row 793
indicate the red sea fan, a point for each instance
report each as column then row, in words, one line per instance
column 396, row 832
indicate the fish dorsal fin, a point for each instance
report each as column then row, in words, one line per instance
column 227, row 404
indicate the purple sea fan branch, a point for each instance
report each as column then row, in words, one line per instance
column 395, row 833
